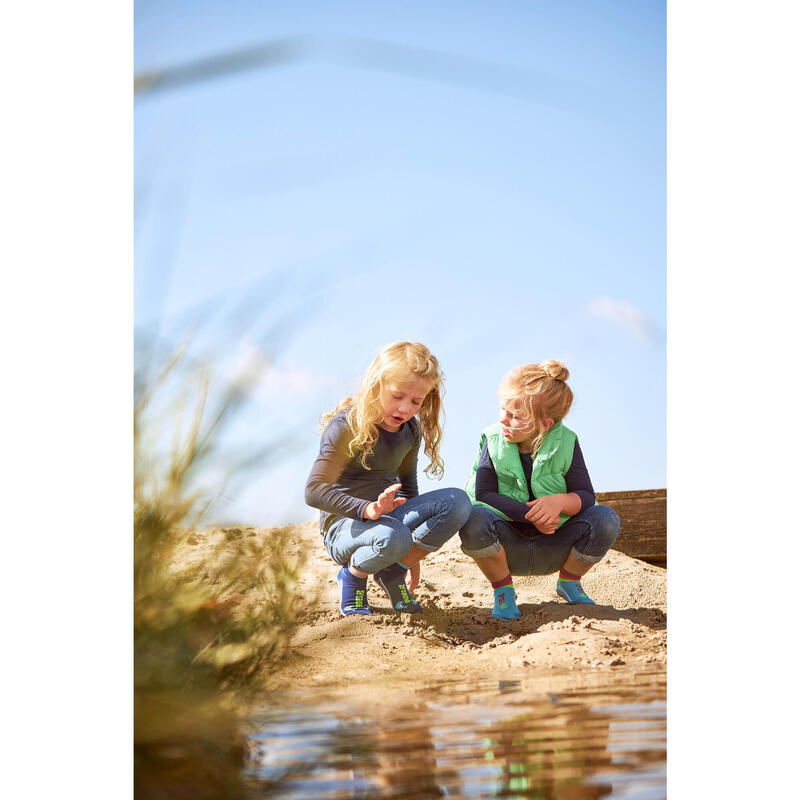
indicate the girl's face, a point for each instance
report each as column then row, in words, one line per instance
column 516, row 422
column 401, row 400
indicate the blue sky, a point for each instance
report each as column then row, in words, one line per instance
column 487, row 178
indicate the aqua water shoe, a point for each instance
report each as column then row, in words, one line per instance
column 505, row 603
column 572, row 592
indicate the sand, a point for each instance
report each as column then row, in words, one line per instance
column 456, row 638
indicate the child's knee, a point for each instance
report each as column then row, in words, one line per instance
column 460, row 507
column 394, row 543
column 605, row 525
column 452, row 507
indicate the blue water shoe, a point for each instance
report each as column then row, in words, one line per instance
column 505, row 603
column 352, row 593
column 572, row 592
column 392, row 580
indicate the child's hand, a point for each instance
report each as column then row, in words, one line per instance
column 413, row 577
column 545, row 512
column 385, row 503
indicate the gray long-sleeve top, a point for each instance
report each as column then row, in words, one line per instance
column 339, row 486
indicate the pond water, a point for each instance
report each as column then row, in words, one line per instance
column 526, row 736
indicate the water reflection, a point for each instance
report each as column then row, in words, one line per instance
column 479, row 739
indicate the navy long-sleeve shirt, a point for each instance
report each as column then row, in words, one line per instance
column 577, row 480
column 339, row 486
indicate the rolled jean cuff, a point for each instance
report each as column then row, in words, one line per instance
column 584, row 558
column 431, row 548
column 484, row 552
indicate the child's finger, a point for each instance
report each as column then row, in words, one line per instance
column 389, row 492
column 413, row 577
column 398, row 501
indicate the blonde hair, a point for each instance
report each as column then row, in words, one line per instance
column 542, row 392
column 402, row 362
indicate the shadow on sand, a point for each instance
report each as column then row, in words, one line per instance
column 476, row 625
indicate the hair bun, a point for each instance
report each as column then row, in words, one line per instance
column 555, row 370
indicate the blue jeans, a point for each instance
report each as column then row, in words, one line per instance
column 426, row 521
column 588, row 536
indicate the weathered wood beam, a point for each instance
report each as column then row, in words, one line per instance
column 643, row 514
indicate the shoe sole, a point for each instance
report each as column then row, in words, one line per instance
column 415, row 609
column 576, row 602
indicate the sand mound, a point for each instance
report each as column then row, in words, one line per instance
column 456, row 635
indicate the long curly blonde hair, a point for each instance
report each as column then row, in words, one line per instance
column 542, row 392
column 401, row 362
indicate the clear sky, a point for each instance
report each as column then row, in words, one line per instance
column 486, row 178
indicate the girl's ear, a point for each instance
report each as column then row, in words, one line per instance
column 548, row 423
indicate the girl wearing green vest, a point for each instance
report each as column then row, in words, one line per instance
column 534, row 509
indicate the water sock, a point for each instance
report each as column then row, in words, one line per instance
column 352, row 593
column 569, row 587
column 505, row 603
column 392, row 580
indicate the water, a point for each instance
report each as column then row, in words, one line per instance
column 554, row 736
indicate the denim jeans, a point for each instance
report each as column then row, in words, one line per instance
column 426, row 521
column 588, row 536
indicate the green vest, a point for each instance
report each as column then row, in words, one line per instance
column 549, row 466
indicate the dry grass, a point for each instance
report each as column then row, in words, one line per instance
column 206, row 631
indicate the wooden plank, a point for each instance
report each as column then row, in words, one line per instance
column 643, row 517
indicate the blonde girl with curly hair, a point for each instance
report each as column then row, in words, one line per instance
column 535, row 511
column 373, row 519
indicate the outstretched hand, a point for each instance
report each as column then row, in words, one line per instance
column 545, row 513
column 385, row 503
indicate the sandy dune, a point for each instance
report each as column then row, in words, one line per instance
column 456, row 636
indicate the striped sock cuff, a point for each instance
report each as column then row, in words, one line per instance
column 504, row 582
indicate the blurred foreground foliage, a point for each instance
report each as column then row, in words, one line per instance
column 214, row 609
